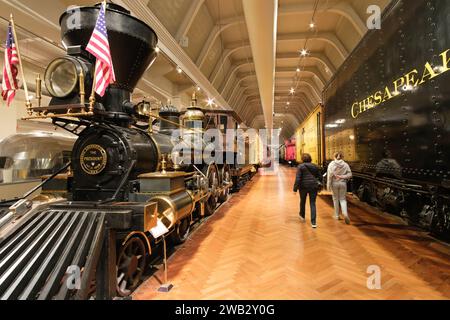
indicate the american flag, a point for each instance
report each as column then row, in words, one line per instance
column 99, row 47
column 9, row 82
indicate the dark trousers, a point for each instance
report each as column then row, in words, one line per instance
column 312, row 201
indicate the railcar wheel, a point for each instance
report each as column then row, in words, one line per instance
column 361, row 193
column 226, row 179
column 182, row 230
column 440, row 223
column 213, row 182
column 130, row 266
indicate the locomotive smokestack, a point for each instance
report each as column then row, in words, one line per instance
column 133, row 43
column 133, row 49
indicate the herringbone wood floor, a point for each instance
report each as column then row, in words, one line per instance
column 256, row 248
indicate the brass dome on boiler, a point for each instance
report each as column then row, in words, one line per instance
column 194, row 114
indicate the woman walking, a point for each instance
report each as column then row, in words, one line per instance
column 307, row 181
column 339, row 173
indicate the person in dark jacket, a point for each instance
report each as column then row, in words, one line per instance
column 307, row 181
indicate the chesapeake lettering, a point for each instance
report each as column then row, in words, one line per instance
column 410, row 80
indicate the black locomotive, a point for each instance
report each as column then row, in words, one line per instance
column 125, row 179
column 388, row 109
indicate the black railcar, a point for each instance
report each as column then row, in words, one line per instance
column 388, row 109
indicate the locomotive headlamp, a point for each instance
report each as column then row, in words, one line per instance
column 143, row 109
column 61, row 77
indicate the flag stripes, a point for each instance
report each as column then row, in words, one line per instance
column 99, row 47
column 10, row 71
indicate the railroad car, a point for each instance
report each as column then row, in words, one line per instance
column 388, row 109
column 393, row 125
column 290, row 154
column 309, row 136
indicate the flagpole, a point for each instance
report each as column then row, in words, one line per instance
column 25, row 86
column 92, row 97
column 94, row 80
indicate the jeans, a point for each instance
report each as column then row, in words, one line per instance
column 339, row 190
column 312, row 201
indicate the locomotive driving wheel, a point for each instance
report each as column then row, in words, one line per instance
column 213, row 183
column 226, row 180
column 130, row 266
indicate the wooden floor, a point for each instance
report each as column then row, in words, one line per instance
column 256, row 248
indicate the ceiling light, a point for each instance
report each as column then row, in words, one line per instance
column 304, row 52
column 157, row 49
column 198, row 88
column 210, row 102
column 292, row 91
column 312, row 25
column 298, row 70
column 288, row 103
column 179, row 70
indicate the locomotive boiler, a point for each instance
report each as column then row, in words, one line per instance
column 125, row 179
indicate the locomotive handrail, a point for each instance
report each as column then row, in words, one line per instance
column 122, row 183
column 175, row 123
column 195, row 167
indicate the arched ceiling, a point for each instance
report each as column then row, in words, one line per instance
column 209, row 39
column 218, row 42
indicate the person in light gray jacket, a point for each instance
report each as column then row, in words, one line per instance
column 339, row 173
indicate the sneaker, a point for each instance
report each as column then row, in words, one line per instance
column 314, row 226
column 302, row 220
column 337, row 217
column 347, row 220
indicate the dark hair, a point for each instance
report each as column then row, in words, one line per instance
column 339, row 156
column 306, row 158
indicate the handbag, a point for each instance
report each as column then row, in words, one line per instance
column 319, row 183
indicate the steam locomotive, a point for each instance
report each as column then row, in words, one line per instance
column 125, row 180
column 388, row 109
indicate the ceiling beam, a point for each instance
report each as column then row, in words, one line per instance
column 250, row 100
column 214, row 34
column 328, row 37
column 235, row 68
column 313, row 71
column 170, row 46
column 321, row 57
column 226, row 55
column 316, row 56
column 338, row 7
column 286, row 83
column 189, row 18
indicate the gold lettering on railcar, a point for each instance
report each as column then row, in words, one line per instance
column 408, row 82
column 93, row 159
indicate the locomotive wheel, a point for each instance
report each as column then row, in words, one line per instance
column 363, row 193
column 226, row 179
column 182, row 230
column 213, row 182
column 440, row 223
column 130, row 266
